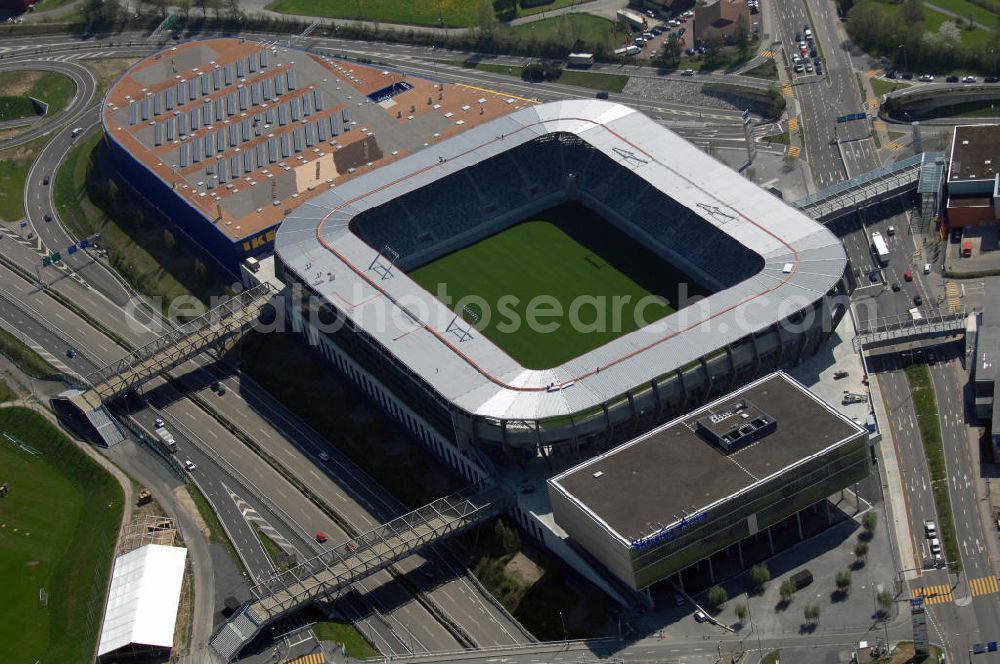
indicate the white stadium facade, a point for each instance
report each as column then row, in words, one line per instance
column 777, row 279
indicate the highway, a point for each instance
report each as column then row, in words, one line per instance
column 86, row 85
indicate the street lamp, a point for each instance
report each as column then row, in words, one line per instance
column 906, row 67
column 563, row 622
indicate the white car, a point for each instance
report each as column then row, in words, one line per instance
column 926, row 78
column 892, row 230
column 969, row 79
column 935, row 546
column 323, row 456
column 189, row 465
column 158, row 423
column 930, row 530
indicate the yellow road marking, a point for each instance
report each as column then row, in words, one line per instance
column 794, row 151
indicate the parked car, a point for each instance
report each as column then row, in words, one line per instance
column 798, row 36
column 688, row 72
column 837, row 375
column 799, row 69
column 990, row 79
column 952, row 79
column 969, row 79
column 926, row 78
column 321, row 537
column 907, row 76
column 602, row 95
column 873, row 276
column 819, row 68
column 700, row 616
column 891, row 230
column 908, row 275
column 895, row 287
column 809, row 67
column 890, row 73
column 927, row 268
column 917, row 300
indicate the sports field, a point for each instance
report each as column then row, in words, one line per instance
column 58, row 527
column 551, row 289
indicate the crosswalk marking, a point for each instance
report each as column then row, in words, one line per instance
column 872, row 103
column 893, row 147
column 766, row 54
column 311, row 658
column 872, row 73
column 793, row 125
column 794, row 151
column 986, row 585
column 786, row 89
column 881, row 126
column 938, row 594
column 953, row 295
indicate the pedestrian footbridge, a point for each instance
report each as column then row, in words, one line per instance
column 341, row 566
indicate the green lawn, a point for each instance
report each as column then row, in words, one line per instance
column 934, row 19
column 881, row 87
column 925, row 404
column 767, row 70
column 60, row 524
column 46, row 5
column 581, row 79
column 23, row 357
column 14, row 108
column 538, row 267
column 340, row 632
column 966, row 9
column 567, row 29
column 555, row 4
column 54, row 89
column 454, row 13
column 6, row 393
column 14, row 165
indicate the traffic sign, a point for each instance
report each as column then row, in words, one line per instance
column 746, row 116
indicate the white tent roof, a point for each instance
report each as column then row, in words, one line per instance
column 145, row 592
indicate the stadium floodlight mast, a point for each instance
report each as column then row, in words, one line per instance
column 628, row 155
column 384, row 259
column 471, row 316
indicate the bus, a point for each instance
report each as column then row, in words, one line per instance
column 880, row 249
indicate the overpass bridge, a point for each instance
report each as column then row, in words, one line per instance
column 873, row 187
column 338, row 568
column 215, row 327
column 896, row 329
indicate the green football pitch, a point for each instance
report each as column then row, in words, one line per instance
column 58, row 528
column 550, row 290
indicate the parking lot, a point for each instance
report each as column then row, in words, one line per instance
column 679, row 26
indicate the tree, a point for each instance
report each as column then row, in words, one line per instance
column 486, row 19
column 786, row 590
column 184, row 7
column 717, row 596
column 811, row 613
column 861, row 551
column 759, row 575
column 885, row 600
column 912, row 11
column 843, row 581
column 869, row 521
column 169, row 241
column 741, row 612
column 509, row 540
column 202, row 6
column 742, row 35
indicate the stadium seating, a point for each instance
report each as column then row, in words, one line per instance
column 475, row 197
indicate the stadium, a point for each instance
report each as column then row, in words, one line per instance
column 418, row 279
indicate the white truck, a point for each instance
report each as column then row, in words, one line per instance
column 880, row 249
column 631, row 49
column 166, row 440
column 581, row 59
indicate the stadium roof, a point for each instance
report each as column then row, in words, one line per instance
column 802, row 262
column 661, row 491
column 142, row 603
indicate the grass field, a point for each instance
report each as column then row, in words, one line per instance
column 453, row 13
column 933, row 20
column 60, row 524
column 52, row 88
column 566, row 29
column 581, row 79
column 340, row 632
column 881, row 87
column 967, row 10
column 21, row 355
column 14, row 165
column 565, row 272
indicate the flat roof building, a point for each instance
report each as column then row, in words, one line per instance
column 708, row 480
column 972, row 175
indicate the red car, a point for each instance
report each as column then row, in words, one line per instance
column 321, row 537
column 908, row 276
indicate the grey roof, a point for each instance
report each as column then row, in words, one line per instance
column 672, row 472
column 802, row 262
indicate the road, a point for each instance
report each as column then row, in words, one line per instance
column 86, row 85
